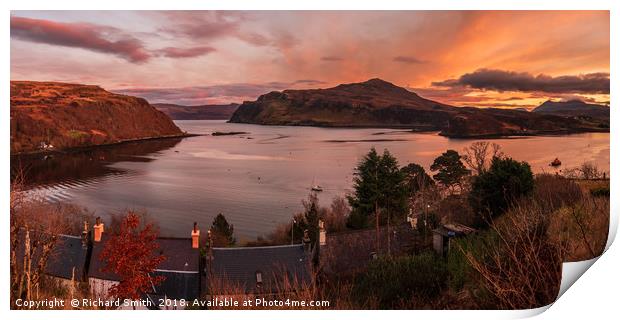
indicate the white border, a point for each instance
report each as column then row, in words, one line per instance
column 594, row 295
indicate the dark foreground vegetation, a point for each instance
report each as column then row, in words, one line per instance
column 526, row 226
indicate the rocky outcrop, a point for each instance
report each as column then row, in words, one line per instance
column 48, row 116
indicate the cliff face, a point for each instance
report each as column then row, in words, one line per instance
column 49, row 116
column 377, row 103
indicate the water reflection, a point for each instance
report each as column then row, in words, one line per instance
column 85, row 164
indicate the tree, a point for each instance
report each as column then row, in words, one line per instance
column 222, row 232
column 365, row 201
column 416, row 178
column 379, row 186
column 495, row 189
column 450, row 169
column 479, row 155
column 130, row 253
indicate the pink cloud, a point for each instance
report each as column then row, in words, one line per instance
column 172, row 52
column 80, row 35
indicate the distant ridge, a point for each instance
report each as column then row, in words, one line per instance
column 574, row 108
column 200, row 112
column 379, row 103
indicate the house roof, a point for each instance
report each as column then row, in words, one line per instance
column 179, row 254
column 453, row 230
column 67, row 259
column 279, row 266
column 347, row 252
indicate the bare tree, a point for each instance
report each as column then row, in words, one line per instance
column 522, row 267
column 479, row 154
column 589, row 170
column 34, row 226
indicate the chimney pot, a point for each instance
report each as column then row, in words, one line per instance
column 322, row 233
column 98, row 229
column 195, row 236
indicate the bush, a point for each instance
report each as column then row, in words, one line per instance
column 552, row 192
column 495, row 189
column 394, row 282
column 600, row 192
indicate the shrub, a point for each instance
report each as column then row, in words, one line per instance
column 396, row 281
column 600, row 192
column 495, row 189
column 552, row 192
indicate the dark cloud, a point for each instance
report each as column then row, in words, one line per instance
column 408, row 60
column 87, row 36
column 499, row 80
column 235, row 92
column 172, row 52
column 331, row 58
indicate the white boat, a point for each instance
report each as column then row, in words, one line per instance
column 317, row 188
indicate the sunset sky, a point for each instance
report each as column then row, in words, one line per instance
column 474, row 58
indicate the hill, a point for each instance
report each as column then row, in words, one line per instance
column 201, row 112
column 378, row 103
column 574, row 108
column 47, row 116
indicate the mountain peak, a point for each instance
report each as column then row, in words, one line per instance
column 378, row 82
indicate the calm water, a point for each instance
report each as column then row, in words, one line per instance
column 258, row 179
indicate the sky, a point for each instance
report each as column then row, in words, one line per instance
column 507, row 59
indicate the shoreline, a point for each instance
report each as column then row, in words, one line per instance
column 426, row 129
column 96, row 146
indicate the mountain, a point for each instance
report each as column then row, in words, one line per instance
column 378, row 103
column 48, row 116
column 574, row 108
column 202, row 112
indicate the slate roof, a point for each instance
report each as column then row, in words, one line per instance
column 67, row 254
column 348, row 252
column 67, row 259
column 180, row 268
column 281, row 267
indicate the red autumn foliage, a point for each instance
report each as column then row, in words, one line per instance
column 131, row 254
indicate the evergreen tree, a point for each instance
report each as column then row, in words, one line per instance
column 393, row 190
column 222, row 232
column 450, row 169
column 379, row 187
column 496, row 188
column 416, row 177
column 365, row 201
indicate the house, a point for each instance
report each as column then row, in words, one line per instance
column 258, row 270
column 347, row 252
column 444, row 233
column 66, row 261
column 180, row 269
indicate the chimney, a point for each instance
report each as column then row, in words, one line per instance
column 306, row 240
column 322, row 233
column 195, row 236
column 85, row 235
column 98, row 228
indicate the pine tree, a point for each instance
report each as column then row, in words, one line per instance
column 222, row 233
column 379, row 187
column 365, row 201
column 451, row 169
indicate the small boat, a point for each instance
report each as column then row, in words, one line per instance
column 317, row 188
column 556, row 163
